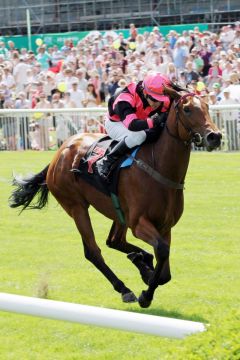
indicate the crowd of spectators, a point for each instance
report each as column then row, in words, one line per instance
column 86, row 74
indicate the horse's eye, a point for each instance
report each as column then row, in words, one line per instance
column 186, row 110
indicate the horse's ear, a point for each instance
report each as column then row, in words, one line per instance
column 173, row 94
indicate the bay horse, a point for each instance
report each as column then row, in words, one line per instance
column 150, row 192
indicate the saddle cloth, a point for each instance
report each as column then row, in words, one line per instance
column 87, row 168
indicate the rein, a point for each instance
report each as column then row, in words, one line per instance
column 156, row 175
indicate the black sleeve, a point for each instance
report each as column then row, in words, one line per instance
column 123, row 109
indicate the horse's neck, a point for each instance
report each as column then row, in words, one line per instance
column 171, row 154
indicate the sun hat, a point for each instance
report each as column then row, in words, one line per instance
column 216, row 86
column 226, row 90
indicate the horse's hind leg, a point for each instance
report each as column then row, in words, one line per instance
column 93, row 253
column 139, row 257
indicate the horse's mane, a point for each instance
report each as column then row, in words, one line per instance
column 178, row 87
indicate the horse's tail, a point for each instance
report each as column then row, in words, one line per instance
column 27, row 188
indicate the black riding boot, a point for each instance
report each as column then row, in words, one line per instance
column 104, row 165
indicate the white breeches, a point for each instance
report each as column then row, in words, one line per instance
column 117, row 131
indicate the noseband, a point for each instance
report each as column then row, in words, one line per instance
column 194, row 137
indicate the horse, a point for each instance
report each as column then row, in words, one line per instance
column 150, row 214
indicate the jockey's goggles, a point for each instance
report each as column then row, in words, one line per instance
column 151, row 98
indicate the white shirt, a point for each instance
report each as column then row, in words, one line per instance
column 229, row 115
column 82, row 85
column 20, row 73
column 77, row 97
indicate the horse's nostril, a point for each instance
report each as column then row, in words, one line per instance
column 214, row 138
column 211, row 136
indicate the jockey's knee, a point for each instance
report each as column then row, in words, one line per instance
column 135, row 138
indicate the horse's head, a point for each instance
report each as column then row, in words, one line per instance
column 192, row 120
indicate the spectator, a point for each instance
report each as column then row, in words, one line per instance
column 44, row 121
column 68, row 103
column 82, row 82
column 227, row 99
column 34, row 90
column 213, row 98
column 60, row 120
column 91, row 99
column 229, row 116
column 180, row 54
column 76, row 95
column 133, row 32
column 140, row 43
column 206, row 56
column 20, row 74
column 190, row 74
column 172, row 38
column 22, row 102
column 8, row 78
column 49, row 84
column 172, row 72
column 214, row 73
column 227, row 70
column 217, row 90
column 122, row 84
column 3, row 50
column 159, row 65
column 11, row 48
column 198, row 62
column 9, row 124
column 92, row 125
column 43, row 57
column 66, row 76
column 113, row 84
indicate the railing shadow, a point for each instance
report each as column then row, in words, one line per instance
column 170, row 313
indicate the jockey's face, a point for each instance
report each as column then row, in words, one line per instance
column 153, row 102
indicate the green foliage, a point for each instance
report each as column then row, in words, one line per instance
column 41, row 255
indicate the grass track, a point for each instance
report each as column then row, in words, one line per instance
column 43, row 247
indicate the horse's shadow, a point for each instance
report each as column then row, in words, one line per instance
column 170, row 313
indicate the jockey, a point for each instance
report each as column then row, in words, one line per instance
column 134, row 115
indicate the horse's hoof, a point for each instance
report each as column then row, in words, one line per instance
column 143, row 301
column 129, row 297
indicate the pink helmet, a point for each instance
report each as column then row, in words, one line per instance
column 154, row 86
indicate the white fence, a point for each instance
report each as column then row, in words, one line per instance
column 44, row 129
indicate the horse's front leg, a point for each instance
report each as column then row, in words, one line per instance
column 161, row 273
column 161, row 245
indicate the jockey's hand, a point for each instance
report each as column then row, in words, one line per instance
column 159, row 120
column 152, row 135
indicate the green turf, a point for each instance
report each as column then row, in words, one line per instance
column 42, row 250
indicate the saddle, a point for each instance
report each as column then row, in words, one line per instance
column 86, row 168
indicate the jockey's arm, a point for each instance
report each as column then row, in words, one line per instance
column 129, row 118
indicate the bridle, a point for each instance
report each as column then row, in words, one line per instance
column 194, row 137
